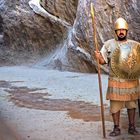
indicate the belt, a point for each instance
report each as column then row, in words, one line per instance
column 123, row 84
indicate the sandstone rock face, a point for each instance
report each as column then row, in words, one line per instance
column 63, row 9
column 26, row 36
column 59, row 35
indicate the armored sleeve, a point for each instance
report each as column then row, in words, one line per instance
column 104, row 53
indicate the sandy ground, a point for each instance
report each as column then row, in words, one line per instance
column 39, row 104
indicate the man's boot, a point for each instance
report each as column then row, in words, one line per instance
column 131, row 116
column 116, row 119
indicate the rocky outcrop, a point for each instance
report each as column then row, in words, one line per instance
column 58, row 34
column 26, row 36
column 64, row 9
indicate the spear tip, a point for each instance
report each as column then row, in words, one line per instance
column 92, row 9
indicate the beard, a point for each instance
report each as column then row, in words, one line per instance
column 121, row 38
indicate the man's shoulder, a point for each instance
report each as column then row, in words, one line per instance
column 133, row 41
column 109, row 42
column 112, row 41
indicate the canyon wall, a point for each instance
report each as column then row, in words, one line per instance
column 58, row 34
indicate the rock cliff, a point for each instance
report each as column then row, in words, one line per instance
column 58, row 34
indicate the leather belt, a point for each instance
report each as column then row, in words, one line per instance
column 124, row 84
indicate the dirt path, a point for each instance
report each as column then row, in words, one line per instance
column 7, row 133
column 30, row 111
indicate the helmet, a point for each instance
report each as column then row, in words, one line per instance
column 121, row 24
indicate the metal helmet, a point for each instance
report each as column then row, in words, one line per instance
column 121, row 24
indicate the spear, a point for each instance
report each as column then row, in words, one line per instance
column 98, row 67
column 139, row 106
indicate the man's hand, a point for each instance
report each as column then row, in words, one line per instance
column 99, row 57
column 97, row 54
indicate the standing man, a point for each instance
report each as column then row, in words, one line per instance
column 123, row 57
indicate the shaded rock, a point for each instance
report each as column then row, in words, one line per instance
column 27, row 36
column 64, row 9
column 58, row 34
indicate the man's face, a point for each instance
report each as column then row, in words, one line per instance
column 121, row 33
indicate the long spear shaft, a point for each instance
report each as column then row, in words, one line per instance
column 139, row 106
column 98, row 66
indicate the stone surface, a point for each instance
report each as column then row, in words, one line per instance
column 64, row 9
column 28, row 37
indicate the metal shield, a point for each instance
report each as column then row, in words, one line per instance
column 125, row 61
